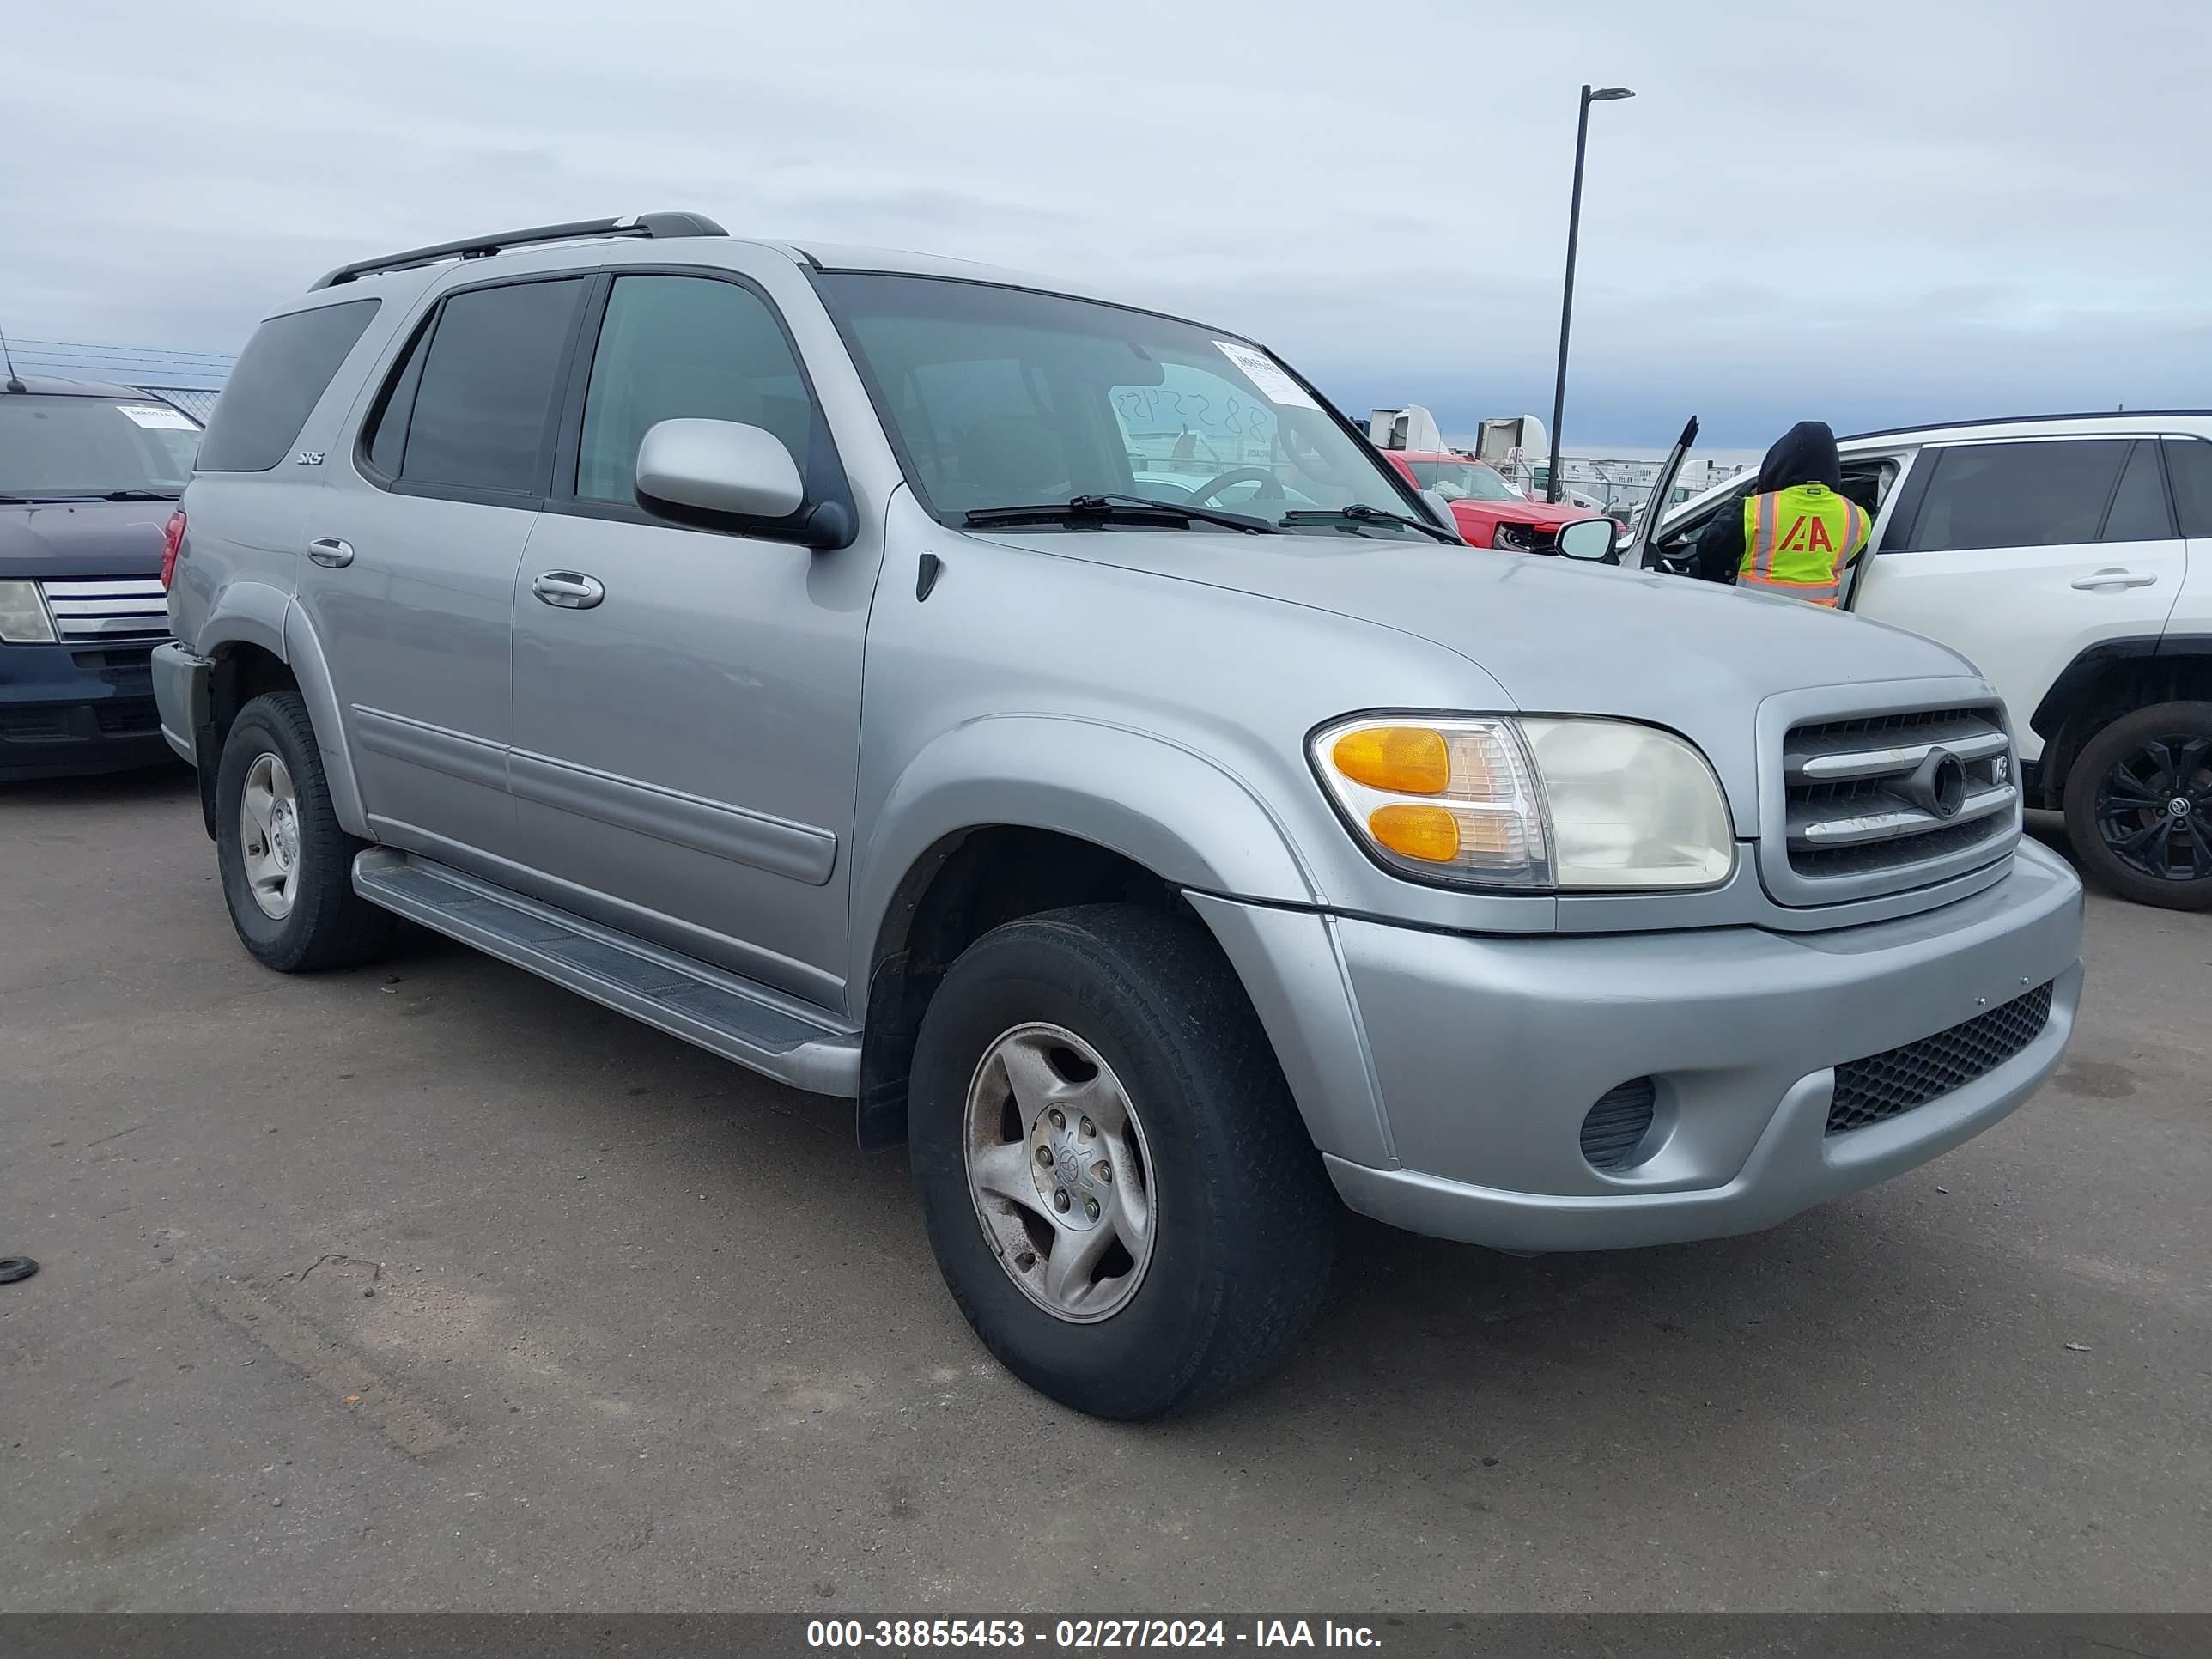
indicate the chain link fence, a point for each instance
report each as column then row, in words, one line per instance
column 196, row 401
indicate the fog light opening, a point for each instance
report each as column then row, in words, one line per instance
column 1617, row 1131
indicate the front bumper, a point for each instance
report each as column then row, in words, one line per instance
column 72, row 709
column 1481, row 1055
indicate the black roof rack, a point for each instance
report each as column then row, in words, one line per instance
column 482, row 247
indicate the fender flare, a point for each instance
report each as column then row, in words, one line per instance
column 246, row 613
column 1179, row 814
column 303, row 650
column 2076, row 678
column 266, row 616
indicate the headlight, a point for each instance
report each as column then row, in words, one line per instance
column 23, row 619
column 1572, row 805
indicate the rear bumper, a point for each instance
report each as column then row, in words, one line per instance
column 180, row 693
column 72, row 709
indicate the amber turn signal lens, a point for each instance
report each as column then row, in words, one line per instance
column 1428, row 833
column 1406, row 760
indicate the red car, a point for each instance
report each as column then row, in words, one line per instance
column 1489, row 511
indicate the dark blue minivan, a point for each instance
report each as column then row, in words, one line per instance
column 89, row 475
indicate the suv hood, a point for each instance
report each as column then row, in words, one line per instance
column 1522, row 512
column 1558, row 637
column 82, row 538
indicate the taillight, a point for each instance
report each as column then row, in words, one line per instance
column 172, row 543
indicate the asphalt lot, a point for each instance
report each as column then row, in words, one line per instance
column 433, row 1286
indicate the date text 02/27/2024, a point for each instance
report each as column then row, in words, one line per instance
column 1086, row 1634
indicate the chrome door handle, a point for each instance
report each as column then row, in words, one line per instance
column 330, row 550
column 2115, row 577
column 570, row 589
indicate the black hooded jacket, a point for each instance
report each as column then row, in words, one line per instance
column 1804, row 454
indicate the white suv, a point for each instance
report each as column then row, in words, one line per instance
column 2071, row 557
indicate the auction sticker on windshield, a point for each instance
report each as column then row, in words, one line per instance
column 157, row 417
column 1265, row 373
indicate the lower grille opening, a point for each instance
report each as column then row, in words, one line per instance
column 1884, row 1085
column 33, row 724
column 122, row 717
column 1615, row 1127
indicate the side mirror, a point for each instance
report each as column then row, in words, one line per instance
column 719, row 466
column 1440, row 505
column 1587, row 539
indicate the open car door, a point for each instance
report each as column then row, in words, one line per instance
column 1654, row 509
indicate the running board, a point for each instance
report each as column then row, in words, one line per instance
column 771, row 1033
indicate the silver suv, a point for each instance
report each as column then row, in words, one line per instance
column 1047, row 725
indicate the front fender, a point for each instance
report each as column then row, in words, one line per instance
column 1184, row 817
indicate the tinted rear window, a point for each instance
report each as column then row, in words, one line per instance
column 483, row 411
column 2138, row 511
column 280, row 375
column 2189, row 462
column 2022, row 494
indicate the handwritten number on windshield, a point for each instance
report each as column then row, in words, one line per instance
column 1148, row 406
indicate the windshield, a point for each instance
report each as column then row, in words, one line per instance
column 1463, row 480
column 1001, row 397
column 67, row 448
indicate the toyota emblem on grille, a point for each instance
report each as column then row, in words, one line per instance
column 1938, row 784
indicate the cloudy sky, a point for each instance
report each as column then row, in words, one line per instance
column 1871, row 213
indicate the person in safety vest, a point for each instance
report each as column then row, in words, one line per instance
column 1797, row 531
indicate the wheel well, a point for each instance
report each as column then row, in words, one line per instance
column 955, row 893
column 241, row 673
column 2116, row 688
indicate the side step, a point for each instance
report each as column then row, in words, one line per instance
column 750, row 1023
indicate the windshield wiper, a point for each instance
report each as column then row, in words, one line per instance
column 1115, row 509
column 94, row 495
column 1360, row 512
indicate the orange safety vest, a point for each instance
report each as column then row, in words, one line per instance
column 1797, row 540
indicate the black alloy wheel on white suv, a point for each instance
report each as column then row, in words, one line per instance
column 2139, row 805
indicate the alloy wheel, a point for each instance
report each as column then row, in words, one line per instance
column 2153, row 808
column 269, row 835
column 1060, row 1172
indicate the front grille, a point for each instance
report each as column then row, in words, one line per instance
column 1880, row 1087
column 126, row 717
column 1855, row 824
column 108, row 608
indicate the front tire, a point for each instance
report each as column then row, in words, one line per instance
column 1117, row 1186
column 287, row 865
column 2139, row 806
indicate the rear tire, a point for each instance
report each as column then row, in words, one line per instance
column 286, row 866
column 2139, row 806
column 1174, row 1130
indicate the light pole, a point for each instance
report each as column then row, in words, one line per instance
column 1599, row 95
